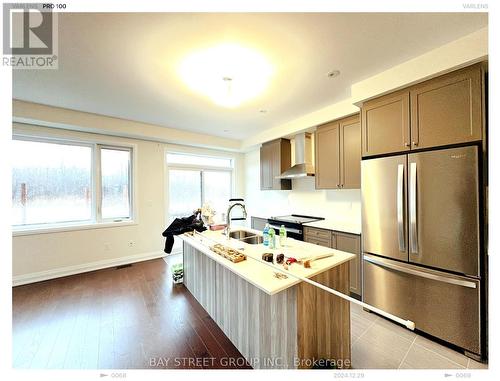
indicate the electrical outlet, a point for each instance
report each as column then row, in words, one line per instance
column 131, row 243
column 106, row 246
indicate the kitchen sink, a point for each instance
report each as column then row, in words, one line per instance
column 246, row 237
column 241, row 234
column 255, row 240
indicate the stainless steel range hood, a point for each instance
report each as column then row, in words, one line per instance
column 303, row 158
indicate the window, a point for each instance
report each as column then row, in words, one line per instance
column 217, row 189
column 184, row 189
column 197, row 160
column 195, row 180
column 58, row 183
column 51, row 183
column 115, row 179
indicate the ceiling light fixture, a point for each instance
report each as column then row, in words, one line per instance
column 333, row 73
column 228, row 74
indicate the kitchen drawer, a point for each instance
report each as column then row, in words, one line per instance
column 318, row 241
column 317, row 233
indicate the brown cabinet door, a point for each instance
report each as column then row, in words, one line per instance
column 265, row 167
column 351, row 243
column 385, row 124
column 275, row 158
column 447, row 110
column 327, row 156
column 350, row 153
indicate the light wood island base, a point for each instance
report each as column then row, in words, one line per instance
column 290, row 329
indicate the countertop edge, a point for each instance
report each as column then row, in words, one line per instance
column 224, row 262
column 332, row 227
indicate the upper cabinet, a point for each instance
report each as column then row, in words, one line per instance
column 275, row 158
column 386, row 124
column 442, row 111
column 447, row 110
column 327, row 156
column 338, row 154
column 350, row 152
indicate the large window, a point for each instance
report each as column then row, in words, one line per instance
column 59, row 183
column 197, row 180
column 115, row 183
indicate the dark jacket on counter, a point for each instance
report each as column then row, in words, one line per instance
column 179, row 226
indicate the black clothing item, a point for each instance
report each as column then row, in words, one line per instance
column 179, row 226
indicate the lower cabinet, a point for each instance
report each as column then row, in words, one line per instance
column 350, row 243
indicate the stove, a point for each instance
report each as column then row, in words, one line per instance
column 293, row 224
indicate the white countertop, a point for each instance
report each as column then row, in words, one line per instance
column 259, row 273
column 340, row 226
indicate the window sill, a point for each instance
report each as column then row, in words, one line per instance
column 67, row 228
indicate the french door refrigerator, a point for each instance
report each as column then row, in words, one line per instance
column 421, row 241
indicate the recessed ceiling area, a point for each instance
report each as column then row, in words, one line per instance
column 126, row 65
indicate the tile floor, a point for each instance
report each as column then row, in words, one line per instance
column 379, row 344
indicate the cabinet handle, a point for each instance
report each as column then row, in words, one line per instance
column 415, row 144
column 407, row 144
column 338, row 185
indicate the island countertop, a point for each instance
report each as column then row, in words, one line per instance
column 260, row 274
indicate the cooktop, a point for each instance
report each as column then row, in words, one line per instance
column 296, row 219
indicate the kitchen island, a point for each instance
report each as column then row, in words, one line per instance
column 274, row 322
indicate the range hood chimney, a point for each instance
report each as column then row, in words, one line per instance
column 303, row 158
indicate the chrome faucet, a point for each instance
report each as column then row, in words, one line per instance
column 227, row 230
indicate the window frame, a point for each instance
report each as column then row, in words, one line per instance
column 98, row 188
column 195, row 167
column 96, row 221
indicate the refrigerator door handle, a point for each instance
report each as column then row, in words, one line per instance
column 459, row 281
column 399, row 193
column 413, row 209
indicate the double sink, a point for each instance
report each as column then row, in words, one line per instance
column 246, row 237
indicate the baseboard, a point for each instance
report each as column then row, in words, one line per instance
column 19, row 280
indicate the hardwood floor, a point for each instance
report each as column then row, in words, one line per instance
column 131, row 317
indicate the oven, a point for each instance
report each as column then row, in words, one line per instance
column 294, row 231
column 293, row 224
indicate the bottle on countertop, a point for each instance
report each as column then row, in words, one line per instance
column 265, row 235
column 282, row 236
column 272, row 238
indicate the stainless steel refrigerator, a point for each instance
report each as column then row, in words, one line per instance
column 421, row 241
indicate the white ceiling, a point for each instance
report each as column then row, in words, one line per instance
column 123, row 65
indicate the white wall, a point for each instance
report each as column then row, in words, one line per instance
column 336, row 205
column 43, row 256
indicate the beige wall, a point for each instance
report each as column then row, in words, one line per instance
column 34, row 113
column 43, row 256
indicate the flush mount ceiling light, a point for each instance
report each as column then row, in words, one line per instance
column 228, row 74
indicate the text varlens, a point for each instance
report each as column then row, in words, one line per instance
column 30, row 35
